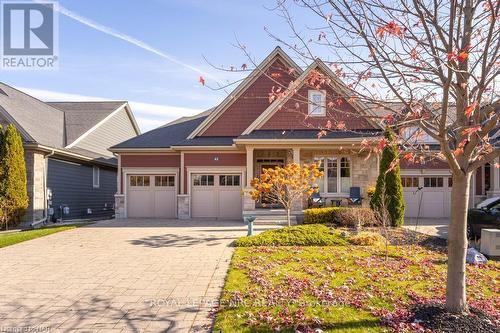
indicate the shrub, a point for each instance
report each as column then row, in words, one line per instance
column 341, row 216
column 302, row 235
column 366, row 238
column 13, row 182
column 389, row 183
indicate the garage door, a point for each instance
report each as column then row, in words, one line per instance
column 152, row 196
column 216, row 196
column 432, row 200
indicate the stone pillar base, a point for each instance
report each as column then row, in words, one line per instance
column 120, row 206
column 183, row 207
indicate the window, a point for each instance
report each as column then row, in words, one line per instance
column 433, row 182
column 409, row 181
column 317, row 103
column 165, row 181
column 416, row 135
column 95, row 177
column 229, row 180
column 450, row 181
column 337, row 174
column 203, row 180
column 139, row 180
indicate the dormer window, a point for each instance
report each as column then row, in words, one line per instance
column 317, row 103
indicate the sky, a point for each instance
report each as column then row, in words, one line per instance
column 151, row 53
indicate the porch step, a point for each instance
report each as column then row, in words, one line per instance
column 274, row 220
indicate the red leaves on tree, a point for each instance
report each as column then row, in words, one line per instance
column 414, row 54
column 244, row 66
column 391, row 28
column 459, row 56
column 469, row 110
column 201, row 80
column 341, row 125
column 471, row 130
column 275, row 75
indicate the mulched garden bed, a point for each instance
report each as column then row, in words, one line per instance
column 435, row 318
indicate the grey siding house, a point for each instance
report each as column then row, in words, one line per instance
column 71, row 173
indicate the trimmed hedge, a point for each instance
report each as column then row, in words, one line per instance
column 341, row 216
column 301, row 235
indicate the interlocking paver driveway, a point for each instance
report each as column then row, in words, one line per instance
column 117, row 276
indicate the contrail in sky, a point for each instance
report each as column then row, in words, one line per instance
column 129, row 39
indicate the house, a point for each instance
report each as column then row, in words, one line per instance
column 70, row 172
column 202, row 166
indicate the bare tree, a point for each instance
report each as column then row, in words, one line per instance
column 438, row 60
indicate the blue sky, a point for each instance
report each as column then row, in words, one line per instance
column 95, row 64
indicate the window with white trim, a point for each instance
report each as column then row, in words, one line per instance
column 164, row 181
column 337, row 174
column 95, row 176
column 317, row 103
column 229, row 180
column 203, row 180
column 433, row 181
column 139, row 181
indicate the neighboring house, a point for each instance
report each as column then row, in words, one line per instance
column 67, row 160
column 202, row 166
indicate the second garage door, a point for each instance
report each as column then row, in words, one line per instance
column 152, row 196
column 432, row 200
column 216, row 196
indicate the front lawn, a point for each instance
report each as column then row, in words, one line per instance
column 341, row 288
column 7, row 239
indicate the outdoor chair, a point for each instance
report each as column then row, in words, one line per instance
column 354, row 196
column 315, row 200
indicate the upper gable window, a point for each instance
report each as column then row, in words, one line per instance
column 317, row 103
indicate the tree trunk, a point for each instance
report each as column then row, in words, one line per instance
column 456, row 301
column 288, row 213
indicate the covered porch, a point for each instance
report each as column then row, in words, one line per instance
column 343, row 166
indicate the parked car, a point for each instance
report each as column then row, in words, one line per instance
column 486, row 215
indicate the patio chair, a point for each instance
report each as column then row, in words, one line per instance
column 354, row 196
column 315, row 200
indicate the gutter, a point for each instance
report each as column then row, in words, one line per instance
column 66, row 153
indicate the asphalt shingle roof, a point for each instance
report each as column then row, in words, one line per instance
column 308, row 134
column 35, row 120
column 163, row 137
column 82, row 116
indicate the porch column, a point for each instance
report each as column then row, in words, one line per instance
column 297, row 205
column 248, row 202
column 249, row 165
column 495, row 178
column 296, row 155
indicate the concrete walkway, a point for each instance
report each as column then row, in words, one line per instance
column 117, row 276
column 432, row 227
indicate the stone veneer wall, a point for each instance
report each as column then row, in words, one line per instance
column 35, row 174
column 119, row 206
column 183, row 206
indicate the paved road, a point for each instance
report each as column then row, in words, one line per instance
column 432, row 227
column 117, row 276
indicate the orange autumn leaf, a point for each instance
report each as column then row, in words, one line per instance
column 471, row 130
column 469, row 110
column 462, row 56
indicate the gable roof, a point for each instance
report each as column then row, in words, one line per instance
column 276, row 54
column 164, row 136
column 35, row 120
column 336, row 84
column 81, row 117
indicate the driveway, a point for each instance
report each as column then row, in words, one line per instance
column 432, row 227
column 117, row 276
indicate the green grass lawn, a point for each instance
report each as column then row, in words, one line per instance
column 342, row 288
column 7, row 239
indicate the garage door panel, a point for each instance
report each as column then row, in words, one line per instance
column 216, row 196
column 140, row 203
column 151, row 196
column 433, row 197
column 230, row 203
column 164, row 204
column 204, row 202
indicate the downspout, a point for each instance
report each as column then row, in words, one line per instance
column 45, row 177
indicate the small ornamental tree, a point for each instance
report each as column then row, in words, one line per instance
column 286, row 185
column 389, row 183
column 13, row 184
